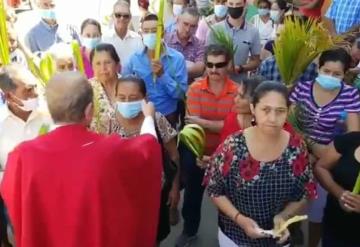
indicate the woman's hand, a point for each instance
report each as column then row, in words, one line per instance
column 279, row 220
column 202, row 163
column 148, row 109
column 250, row 227
column 350, row 202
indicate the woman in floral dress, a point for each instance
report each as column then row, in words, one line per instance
column 106, row 65
column 260, row 176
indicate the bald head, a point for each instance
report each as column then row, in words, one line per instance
column 68, row 95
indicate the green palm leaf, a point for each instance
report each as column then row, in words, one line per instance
column 4, row 40
column 222, row 38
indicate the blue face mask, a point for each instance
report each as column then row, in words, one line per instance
column 90, row 43
column 220, row 10
column 275, row 15
column 48, row 14
column 328, row 82
column 149, row 40
column 263, row 12
column 129, row 110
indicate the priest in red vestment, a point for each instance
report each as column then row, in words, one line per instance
column 75, row 188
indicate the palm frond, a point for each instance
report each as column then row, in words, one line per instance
column 221, row 37
column 299, row 43
column 77, row 55
column 4, row 40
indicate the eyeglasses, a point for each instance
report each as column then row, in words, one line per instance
column 216, row 65
column 119, row 15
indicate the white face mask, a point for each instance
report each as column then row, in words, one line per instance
column 177, row 9
column 29, row 104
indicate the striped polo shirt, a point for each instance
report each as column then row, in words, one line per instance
column 202, row 102
column 321, row 121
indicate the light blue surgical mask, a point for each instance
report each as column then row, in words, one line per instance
column 263, row 12
column 220, row 10
column 328, row 82
column 129, row 110
column 90, row 43
column 275, row 15
column 48, row 14
column 149, row 40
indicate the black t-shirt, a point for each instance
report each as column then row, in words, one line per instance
column 341, row 224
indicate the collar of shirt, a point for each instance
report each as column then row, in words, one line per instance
column 174, row 39
column 229, row 87
column 129, row 34
column 9, row 114
column 47, row 26
column 166, row 52
column 243, row 26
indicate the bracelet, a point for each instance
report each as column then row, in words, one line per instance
column 236, row 216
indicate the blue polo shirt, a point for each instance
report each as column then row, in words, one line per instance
column 170, row 87
column 42, row 36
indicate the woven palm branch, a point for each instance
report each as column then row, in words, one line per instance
column 299, row 43
column 222, row 38
column 4, row 40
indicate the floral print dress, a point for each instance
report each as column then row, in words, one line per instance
column 259, row 190
column 104, row 111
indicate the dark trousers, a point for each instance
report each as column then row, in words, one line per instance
column 329, row 240
column 192, row 177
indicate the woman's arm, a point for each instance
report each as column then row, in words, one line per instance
column 322, row 171
column 353, row 122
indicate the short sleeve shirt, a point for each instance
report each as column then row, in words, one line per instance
column 258, row 190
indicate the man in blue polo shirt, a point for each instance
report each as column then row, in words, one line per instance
column 166, row 80
column 48, row 31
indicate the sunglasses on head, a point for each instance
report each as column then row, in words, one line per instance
column 216, row 65
column 118, row 16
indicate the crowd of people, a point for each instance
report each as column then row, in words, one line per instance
column 93, row 158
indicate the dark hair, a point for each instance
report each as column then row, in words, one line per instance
column 109, row 48
column 6, row 82
column 251, row 83
column 283, row 5
column 149, row 17
column 216, row 50
column 136, row 80
column 191, row 11
column 264, row 1
column 336, row 55
column 90, row 22
column 267, row 87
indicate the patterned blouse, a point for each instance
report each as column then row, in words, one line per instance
column 104, row 112
column 259, row 190
column 166, row 131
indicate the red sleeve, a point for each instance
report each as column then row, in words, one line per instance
column 231, row 125
column 11, row 190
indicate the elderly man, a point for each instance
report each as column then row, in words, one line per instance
column 166, row 79
column 48, row 31
column 184, row 41
column 72, row 187
column 245, row 37
column 63, row 56
column 208, row 102
column 125, row 41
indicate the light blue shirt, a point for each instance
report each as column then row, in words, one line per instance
column 171, row 26
column 345, row 14
column 42, row 36
column 170, row 87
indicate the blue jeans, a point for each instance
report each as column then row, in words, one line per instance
column 194, row 190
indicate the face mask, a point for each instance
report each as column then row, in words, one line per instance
column 274, row 15
column 328, row 82
column 90, row 43
column 129, row 110
column 177, row 9
column 263, row 12
column 29, row 104
column 220, row 10
column 48, row 14
column 149, row 40
column 235, row 13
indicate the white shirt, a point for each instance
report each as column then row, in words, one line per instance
column 266, row 30
column 14, row 130
column 126, row 47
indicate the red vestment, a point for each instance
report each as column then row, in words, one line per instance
column 75, row 188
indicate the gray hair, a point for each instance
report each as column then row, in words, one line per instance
column 191, row 11
column 123, row 3
column 68, row 94
column 14, row 72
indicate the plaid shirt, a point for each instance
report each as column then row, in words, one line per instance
column 345, row 14
column 270, row 71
